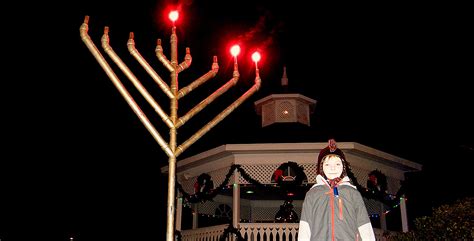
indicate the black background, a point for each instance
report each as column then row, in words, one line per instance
column 78, row 162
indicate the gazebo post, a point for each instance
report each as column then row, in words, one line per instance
column 236, row 200
column 383, row 220
column 403, row 211
column 195, row 215
column 179, row 212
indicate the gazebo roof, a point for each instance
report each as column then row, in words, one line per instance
column 352, row 148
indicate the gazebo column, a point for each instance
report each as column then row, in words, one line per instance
column 179, row 212
column 195, row 210
column 236, row 200
column 404, row 216
column 383, row 220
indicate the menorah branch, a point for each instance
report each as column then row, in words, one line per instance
column 187, row 61
column 161, row 57
column 172, row 91
column 134, row 52
column 122, row 90
column 109, row 50
column 209, row 99
column 219, row 117
column 212, row 73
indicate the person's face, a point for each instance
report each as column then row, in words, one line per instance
column 332, row 166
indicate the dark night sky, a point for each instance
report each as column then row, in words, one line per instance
column 79, row 162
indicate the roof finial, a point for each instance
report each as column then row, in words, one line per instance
column 284, row 79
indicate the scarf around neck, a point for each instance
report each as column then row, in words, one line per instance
column 333, row 182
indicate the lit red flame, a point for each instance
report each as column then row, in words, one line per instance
column 256, row 57
column 173, row 15
column 235, row 50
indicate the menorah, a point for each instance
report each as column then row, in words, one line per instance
column 172, row 121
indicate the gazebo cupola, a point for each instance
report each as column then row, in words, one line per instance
column 285, row 107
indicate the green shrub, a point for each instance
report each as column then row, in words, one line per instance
column 448, row 222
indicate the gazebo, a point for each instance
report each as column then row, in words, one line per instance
column 241, row 188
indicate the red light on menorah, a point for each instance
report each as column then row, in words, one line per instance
column 173, row 15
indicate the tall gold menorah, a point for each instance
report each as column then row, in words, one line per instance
column 173, row 121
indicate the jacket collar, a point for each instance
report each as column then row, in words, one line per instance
column 321, row 181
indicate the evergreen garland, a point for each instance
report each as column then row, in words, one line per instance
column 380, row 183
column 206, row 196
column 300, row 176
column 379, row 195
column 376, row 194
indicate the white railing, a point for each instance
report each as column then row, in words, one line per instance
column 254, row 232
column 269, row 231
column 203, row 234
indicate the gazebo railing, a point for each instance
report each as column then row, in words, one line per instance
column 212, row 233
column 269, row 231
column 254, row 232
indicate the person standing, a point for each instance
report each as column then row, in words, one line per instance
column 333, row 209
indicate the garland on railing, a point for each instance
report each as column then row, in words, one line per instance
column 203, row 183
column 380, row 195
column 374, row 193
column 298, row 171
column 207, row 196
column 377, row 181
